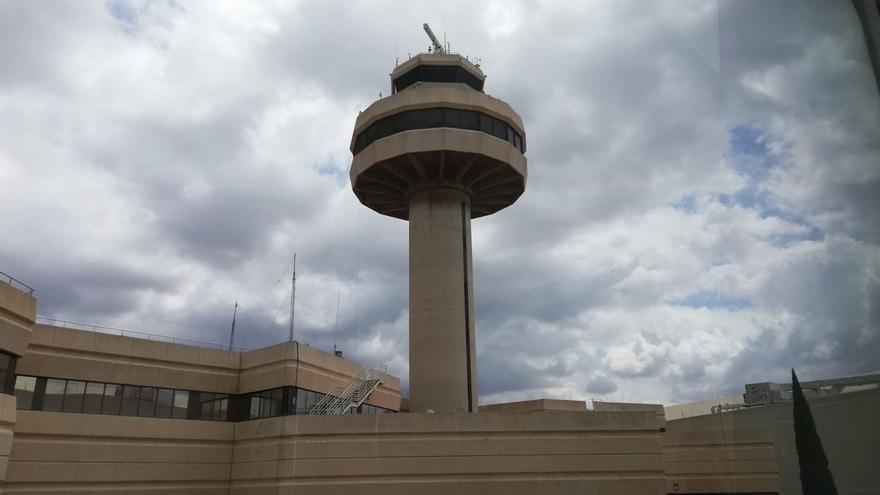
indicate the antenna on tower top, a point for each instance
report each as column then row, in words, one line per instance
column 232, row 331
column 292, row 299
column 438, row 48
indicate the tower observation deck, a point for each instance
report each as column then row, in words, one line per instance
column 438, row 152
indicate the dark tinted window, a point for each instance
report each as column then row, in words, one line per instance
column 7, row 373
column 486, row 123
column 470, row 120
column 414, row 119
column 437, row 73
column 164, row 400
column 500, row 129
column 73, row 396
column 147, row 402
column 383, row 128
column 112, row 399
column 436, row 117
column 93, row 397
column 131, row 395
column 452, row 118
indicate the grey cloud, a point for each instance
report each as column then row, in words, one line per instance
column 600, row 385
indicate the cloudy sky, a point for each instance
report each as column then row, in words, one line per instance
column 702, row 211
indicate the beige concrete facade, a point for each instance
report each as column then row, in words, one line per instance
column 485, row 453
column 753, row 449
column 537, row 405
column 81, row 355
column 716, row 461
column 18, row 311
column 85, row 453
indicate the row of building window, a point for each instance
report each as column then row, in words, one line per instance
column 77, row 396
column 437, row 73
column 428, row 118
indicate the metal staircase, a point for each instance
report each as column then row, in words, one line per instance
column 351, row 395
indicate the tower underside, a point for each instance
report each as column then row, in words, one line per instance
column 387, row 186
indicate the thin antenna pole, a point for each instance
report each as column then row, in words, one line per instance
column 232, row 332
column 337, row 312
column 292, row 299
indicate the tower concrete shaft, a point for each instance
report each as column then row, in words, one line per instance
column 439, row 152
column 442, row 358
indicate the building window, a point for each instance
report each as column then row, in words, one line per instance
column 164, row 402
column 93, row 397
column 147, row 402
column 77, row 396
column 73, row 396
column 181, row 403
column 131, row 395
column 453, row 118
column 437, row 73
column 112, row 399
column 54, row 396
column 24, row 391
column 7, row 372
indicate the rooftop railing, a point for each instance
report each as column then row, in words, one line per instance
column 123, row 332
column 14, row 282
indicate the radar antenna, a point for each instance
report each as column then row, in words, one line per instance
column 438, row 48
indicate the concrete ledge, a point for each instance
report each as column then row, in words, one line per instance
column 18, row 304
column 537, row 452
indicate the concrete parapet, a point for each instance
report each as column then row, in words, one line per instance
column 537, row 405
column 84, row 453
column 450, row 453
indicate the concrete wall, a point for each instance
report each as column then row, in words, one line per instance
column 84, row 453
column 17, row 313
column 738, row 461
column 482, row 453
column 76, row 354
column 80, row 355
column 7, row 423
column 847, row 425
column 537, row 405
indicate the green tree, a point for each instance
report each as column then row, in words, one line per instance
column 816, row 478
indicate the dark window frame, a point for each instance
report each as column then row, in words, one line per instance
column 438, row 117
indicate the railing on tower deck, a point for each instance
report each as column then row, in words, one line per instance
column 14, row 282
column 135, row 334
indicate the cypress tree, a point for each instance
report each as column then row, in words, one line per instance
column 816, row 478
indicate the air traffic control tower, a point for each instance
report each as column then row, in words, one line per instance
column 438, row 152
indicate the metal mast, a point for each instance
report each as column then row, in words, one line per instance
column 232, row 332
column 292, row 299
